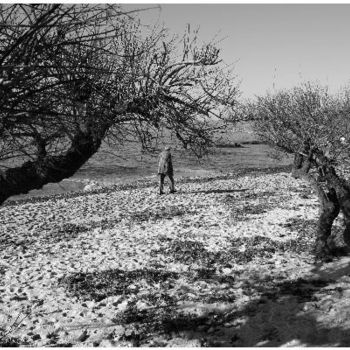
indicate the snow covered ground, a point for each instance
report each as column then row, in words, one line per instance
column 226, row 261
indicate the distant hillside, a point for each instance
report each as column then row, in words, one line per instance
column 239, row 133
column 125, row 163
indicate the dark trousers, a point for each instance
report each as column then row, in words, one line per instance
column 161, row 182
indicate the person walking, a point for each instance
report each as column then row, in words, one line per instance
column 165, row 168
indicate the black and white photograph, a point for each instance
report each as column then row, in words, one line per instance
column 174, row 174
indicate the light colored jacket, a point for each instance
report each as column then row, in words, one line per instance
column 165, row 165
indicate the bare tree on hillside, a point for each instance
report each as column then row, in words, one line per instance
column 313, row 125
column 72, row 76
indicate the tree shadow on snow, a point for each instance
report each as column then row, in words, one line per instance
column 214, row 309
column 284, row 313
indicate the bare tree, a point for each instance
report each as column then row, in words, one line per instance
column 72, row 76
column 312, row 124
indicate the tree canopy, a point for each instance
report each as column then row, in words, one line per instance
column 312, row 124
column 72, row 76
column 308, row 113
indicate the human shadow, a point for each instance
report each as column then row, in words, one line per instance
column 219, row 191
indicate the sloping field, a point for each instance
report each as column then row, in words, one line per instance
column 126, row 163
column 226, row 261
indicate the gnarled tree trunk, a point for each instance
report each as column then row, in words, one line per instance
column 343, row 194
column 329, row 204
column 85, row 143
column 35, row 174
column 329, row 210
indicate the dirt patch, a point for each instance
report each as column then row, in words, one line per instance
column 100, row 285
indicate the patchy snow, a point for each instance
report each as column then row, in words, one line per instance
column 225, row 261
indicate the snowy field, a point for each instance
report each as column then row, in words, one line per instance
column 226, row 261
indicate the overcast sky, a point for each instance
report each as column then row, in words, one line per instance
column 271, row 45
